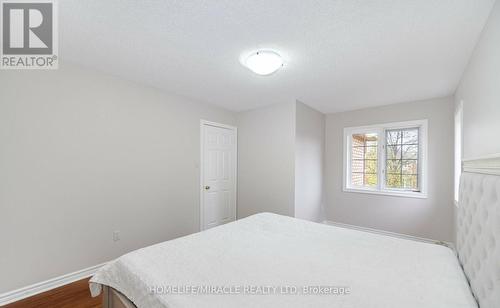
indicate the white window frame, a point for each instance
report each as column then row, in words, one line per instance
column 459, row 119
column 381, row 129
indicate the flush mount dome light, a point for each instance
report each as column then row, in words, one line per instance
column 264, row 62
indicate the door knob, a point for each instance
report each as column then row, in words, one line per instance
column 207, row 187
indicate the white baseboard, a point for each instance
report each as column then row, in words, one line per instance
column 47, row 285
column 388, row 233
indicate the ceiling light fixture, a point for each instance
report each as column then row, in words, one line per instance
column 264, row 62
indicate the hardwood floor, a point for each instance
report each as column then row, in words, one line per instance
column 73, row 295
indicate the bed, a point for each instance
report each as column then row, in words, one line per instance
column 268, row 260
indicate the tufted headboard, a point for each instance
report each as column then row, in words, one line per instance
column 478, row 228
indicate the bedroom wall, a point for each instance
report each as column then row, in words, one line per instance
column 429, row 218
column 309, row 163
column 266, row 160
column 480, row 92
column 83, row 154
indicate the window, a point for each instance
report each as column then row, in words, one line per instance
column 401, row 159
column 386, row 159
column 458, row 147
column 364, row 160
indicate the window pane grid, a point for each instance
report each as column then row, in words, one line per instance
column 402, row 159
column 364, row 160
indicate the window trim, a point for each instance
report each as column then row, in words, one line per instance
column 459, row 141
column 380, row 129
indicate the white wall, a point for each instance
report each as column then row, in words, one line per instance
column 83, row 154
column 431, row 217
column 309, row 163
column 480, row 91
column 266, row 160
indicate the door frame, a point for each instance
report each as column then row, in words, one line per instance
column 203, row 124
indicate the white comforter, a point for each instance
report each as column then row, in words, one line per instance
column 249, row 260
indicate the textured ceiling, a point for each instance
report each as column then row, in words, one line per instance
column 341, row 55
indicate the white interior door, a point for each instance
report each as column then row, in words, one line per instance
column 218, row 174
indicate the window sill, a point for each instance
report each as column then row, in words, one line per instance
column 418, row 195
